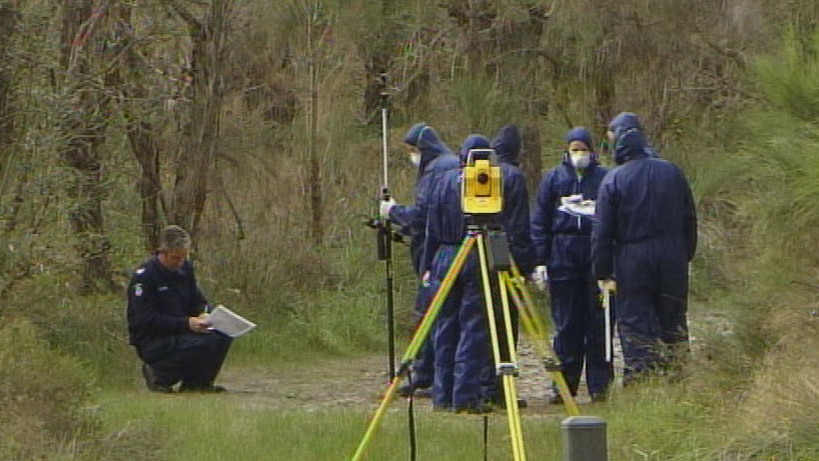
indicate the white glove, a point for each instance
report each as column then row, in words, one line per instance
column 540, row 276
column 607, row 285
column 384, row 209
column 425, row 279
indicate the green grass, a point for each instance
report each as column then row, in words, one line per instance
column 223, row 427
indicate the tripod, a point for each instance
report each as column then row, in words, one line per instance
column 494, row 259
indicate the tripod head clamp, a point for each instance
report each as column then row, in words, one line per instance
column 379, row 225
column 382, row 80
column 507, row 368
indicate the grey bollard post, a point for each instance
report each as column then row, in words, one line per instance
column 584, row 439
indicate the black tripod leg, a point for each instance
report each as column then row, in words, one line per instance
column 385, row 254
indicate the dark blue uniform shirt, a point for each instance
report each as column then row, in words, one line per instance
column 160, row 301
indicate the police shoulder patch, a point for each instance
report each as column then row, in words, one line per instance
column 138, row 289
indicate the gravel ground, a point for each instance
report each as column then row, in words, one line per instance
column 361, row 382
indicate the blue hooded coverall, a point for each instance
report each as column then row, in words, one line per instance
column 516, row 224
column 563, row 245
column 436, row 158
column 463, row 361
column 645, row 235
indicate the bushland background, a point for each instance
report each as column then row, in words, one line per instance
column 256, row 125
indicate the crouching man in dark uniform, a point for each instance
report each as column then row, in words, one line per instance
column 165, row 321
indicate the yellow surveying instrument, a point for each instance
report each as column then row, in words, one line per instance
column 481, row 188
column 482, row 201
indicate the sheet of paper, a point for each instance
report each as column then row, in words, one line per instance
column 228, row 322
column 584, row 208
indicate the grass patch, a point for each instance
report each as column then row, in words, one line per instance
column 225, row 427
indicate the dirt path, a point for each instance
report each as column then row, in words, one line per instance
column 358, row 382
column 361, row 381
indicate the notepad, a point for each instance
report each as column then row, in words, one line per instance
column 228, row 322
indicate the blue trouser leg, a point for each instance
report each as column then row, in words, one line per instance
column 194, row 359
column 652, row 291
column 579, row 333
column 644, row 271
column 672, row 308
column 423, row 368
column 206, row 366
column 568, row 311
column 639, row 330
column 473, row 361
column 446, row 334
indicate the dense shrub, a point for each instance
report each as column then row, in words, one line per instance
column 42, row 392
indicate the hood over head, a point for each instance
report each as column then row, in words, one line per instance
column 507, row 144
column 427, row 141
column 629, row 141
column 473, row 141
column 580, row 134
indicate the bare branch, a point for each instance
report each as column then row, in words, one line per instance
column 85, row 31
column 186, row 15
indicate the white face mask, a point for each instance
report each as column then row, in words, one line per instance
column 580, row 158
column 415, row 158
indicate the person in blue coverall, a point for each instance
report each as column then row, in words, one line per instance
column 645, row 235
column 563, row 247
column 516, row 224
column 165, row 321
column 464, row 370
column 432, row 157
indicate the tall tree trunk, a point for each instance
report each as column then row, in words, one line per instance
column 196, row 162
column 141, row 133
column 530, row 158
column 604, row 83
column 8, row 20
column 380, row 52
column 146, row 151
column 314, row 173
column 83, row 127
column 316, row 228
column 474, row 18
column 379, row 63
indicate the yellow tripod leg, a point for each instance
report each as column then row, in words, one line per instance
column 507, row 370
column 535, row 328
column 510, row 379
column 417, row 341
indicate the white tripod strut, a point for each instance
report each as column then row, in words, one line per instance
column 607, row 321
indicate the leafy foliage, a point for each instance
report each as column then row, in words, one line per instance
column 42, row 392
column 788, row 78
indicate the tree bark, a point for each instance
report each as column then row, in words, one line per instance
column 530, row 158
column 141, row 134
column 196, row 163
column 84, row 126
column 8, row 20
